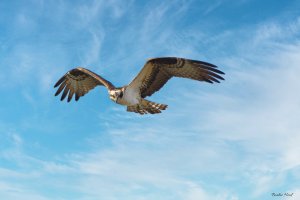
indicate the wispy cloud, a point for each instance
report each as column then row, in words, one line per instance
column 235, row 140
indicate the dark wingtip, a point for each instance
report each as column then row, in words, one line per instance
column 65, row 92
column 56, row 93
column 56, row 84
column 61, row 87
column 59, row 81
column 62, row 98
column 208, row 81
column 204, row 63
column 220, row 72
column 69, row 99
column 222, row 78
column 217, row 71
column 76, row 97
column 209, row 65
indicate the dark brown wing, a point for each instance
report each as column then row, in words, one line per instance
column 79, row 81
column 157, row 71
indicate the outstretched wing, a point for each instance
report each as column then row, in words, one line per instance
column 157, row 71
column 79, row 81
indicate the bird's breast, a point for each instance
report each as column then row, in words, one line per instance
column 130, row 97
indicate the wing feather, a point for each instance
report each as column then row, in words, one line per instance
column 157, row 71
column 71, row 93
column 60, row 88
column 65, row 92
column 79, row 81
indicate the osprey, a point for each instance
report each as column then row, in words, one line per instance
column 155, row 73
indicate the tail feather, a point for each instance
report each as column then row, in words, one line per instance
column 146, row 107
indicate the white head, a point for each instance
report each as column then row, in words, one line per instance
column 115, row 94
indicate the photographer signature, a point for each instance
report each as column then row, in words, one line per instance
column 286, row 194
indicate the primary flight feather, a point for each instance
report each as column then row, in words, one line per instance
column 155, row 73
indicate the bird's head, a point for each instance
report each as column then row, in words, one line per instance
column 115, row 94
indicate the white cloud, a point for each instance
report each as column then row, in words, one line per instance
column 14, row 191
column 92, row 53
column 212, row 7
column 243, row 131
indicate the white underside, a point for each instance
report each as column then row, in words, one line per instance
column 130, row 97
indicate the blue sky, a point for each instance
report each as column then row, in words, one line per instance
column 236, row 140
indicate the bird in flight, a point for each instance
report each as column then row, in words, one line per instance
column 153, row 76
